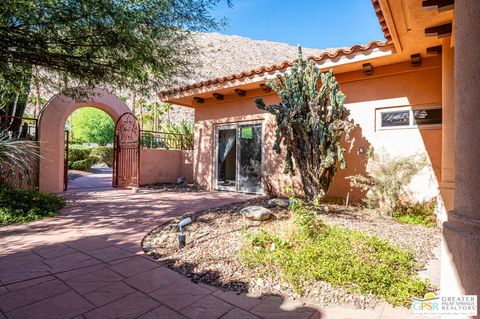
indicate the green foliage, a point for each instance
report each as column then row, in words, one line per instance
column 339, row 256
column 77, row 153
column 87, row 43
column 82, row 158
column 311, row 122
column 184, row 127
column 81, row 165
column 417, row 213
column 18, row 162
column 102, row 154
column 388, row 179
column 19, row 205
column 91, row 125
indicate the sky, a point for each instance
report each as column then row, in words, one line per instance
column 310, row 23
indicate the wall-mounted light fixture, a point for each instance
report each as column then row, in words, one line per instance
column 367, row 68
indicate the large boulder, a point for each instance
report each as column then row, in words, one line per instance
column 256, row 213
column 278, row 202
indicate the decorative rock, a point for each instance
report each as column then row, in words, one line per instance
column 135, row 190
column 278, row 202
column 181, row 180
column 256, row 212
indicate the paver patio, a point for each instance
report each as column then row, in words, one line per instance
column 88, row 263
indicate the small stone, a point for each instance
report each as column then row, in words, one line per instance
column 256, row 213
column 181, row 180
column 278, row 202
column 135, row 190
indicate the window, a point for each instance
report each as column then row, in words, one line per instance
column 406, row 117
column 427, row 116
column 400, row 118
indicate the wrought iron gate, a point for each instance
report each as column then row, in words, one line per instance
column 126, row 152
column 65, row 160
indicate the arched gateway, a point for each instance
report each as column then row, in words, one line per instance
column 51, row 132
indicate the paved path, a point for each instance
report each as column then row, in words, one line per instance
column 102, row 178
column 88, row 263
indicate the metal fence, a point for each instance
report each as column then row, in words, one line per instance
column 166, row 141
column 18, row 128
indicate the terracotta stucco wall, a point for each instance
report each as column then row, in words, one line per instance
column 164, row 166
column 403, row 86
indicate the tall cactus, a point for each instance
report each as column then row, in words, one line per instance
column 311, row 121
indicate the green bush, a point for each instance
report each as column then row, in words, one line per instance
column 81, row 165
column 339, row 256
column 422, row 213
column 78, row 153
column 19, row 205
column 102, row 154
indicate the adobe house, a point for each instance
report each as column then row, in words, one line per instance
column 402, row 95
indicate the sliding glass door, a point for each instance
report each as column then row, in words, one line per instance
column 238, row 163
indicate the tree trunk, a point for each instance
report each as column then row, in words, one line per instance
column 134, row 97
column 38, row 106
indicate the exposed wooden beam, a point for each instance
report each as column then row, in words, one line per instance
column 439, row 31
column 439, row 5
column 265, row 88
column 218, row 96
column 436, row 50
column 198, row 99
column 240, row 92
column 367, row 68
column 416, row 59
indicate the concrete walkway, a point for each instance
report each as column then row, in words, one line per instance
column 100, row 179
column 88, row 263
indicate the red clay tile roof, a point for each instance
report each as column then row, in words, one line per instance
column 275, row 67
column 285, row 64
column 381, row 20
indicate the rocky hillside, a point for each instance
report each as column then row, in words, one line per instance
column 221, row 55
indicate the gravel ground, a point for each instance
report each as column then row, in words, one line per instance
column 171, row 187
column 214, row 240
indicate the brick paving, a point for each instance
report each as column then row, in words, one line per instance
column 88, row 263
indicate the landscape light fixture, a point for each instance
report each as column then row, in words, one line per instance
column 182, row 238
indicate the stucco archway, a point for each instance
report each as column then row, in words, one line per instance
column 51, row 132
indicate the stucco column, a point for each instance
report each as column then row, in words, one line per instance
column 447, row 183
column 461, row 258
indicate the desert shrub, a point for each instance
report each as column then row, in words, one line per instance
column 21, row 205
column 81, row 165
column 102, row 154
column 342, row 257
column 388, row 179
column 422, row 213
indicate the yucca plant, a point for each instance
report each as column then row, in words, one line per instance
column 18, row 162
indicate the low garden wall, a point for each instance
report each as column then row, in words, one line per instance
column 165, row 166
